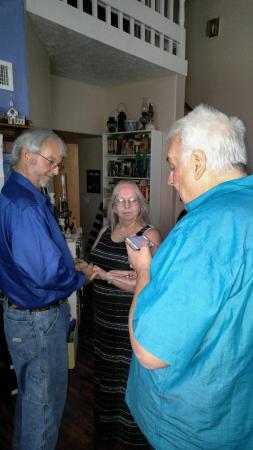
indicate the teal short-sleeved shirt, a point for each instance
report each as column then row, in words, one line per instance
column 196, row 314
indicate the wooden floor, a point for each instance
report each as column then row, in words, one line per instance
column 77, row 427
column 77, row 431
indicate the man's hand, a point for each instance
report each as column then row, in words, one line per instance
column 86, row 268
column 139, row 259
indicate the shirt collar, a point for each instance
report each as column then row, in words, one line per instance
column 21, row 179
column 220, row 189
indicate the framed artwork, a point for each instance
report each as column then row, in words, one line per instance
column 93, row 181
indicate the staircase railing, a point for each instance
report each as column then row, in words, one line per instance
column 159, row 23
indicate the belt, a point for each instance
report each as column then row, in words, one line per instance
column 55, row 304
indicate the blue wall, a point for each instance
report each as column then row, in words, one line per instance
column 13, row 49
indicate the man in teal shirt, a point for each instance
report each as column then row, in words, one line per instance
column 191, row 323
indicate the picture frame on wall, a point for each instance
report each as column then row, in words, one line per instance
column 93, row 181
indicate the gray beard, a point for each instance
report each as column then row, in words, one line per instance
column 43, row 181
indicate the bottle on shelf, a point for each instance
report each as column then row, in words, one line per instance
column 137, row 158
column 112, row 124
column 121, row 121
column 144, row 112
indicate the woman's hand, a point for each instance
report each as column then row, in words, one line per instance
column 123, row 279
column 123, row 274
column 83, row 266
column 99, row 274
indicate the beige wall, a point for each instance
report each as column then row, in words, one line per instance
column 57, row 102
column 160, row 92
column 221, row 68
column 77, row 106
column 39, row 79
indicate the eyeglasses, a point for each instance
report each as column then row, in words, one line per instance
column 124, row 203
column 53, row 164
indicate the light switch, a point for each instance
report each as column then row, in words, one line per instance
column 212, row 27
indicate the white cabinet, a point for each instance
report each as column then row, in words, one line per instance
column 135, row 156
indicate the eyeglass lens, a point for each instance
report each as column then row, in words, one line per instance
column 122, row 202
column 53, row 164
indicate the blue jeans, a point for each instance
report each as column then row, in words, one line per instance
column 38, row 348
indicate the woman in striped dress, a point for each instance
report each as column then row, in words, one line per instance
column 113, row 287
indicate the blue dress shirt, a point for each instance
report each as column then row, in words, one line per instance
column 36, row 266
column 197, row 315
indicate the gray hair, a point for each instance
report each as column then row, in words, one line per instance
column 32, row 140
column 220, row 137
column 112, row 216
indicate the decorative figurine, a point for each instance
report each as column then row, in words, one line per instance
column 13, row 117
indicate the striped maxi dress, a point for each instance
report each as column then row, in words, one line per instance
column 112, row 348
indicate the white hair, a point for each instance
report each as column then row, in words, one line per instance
column 220, row 137
column 33, row 140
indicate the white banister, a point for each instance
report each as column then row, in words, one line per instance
column 142, row 32
column 152, row 41
column 142, row 13
column 150, row 33
column 170, row 46
column 170, row 9
column 95, row 8
column 120, row 20
column 181, row 13
column 162, row 7
column 182, row 46
column 80, row 5
column 161, row 41
column 132, row 26
column 108, row 14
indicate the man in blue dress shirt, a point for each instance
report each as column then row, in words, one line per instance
column 191, row 380
column 37, row 274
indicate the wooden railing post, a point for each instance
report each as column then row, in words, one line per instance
column 152, row 40
column 161, row 41
column 181, row 24
column 171, row 9
column 170, row 46
column 162, row 7
column 142, row 32
column 80, row 5
column 142, row 22
column 120, row 20
column 108, row 14
column 181, row 13
column 94, row 8
column 132, row 26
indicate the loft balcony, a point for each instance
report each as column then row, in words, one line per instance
column 111, row 41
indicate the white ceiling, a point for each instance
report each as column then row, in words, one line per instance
column 80, row 58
